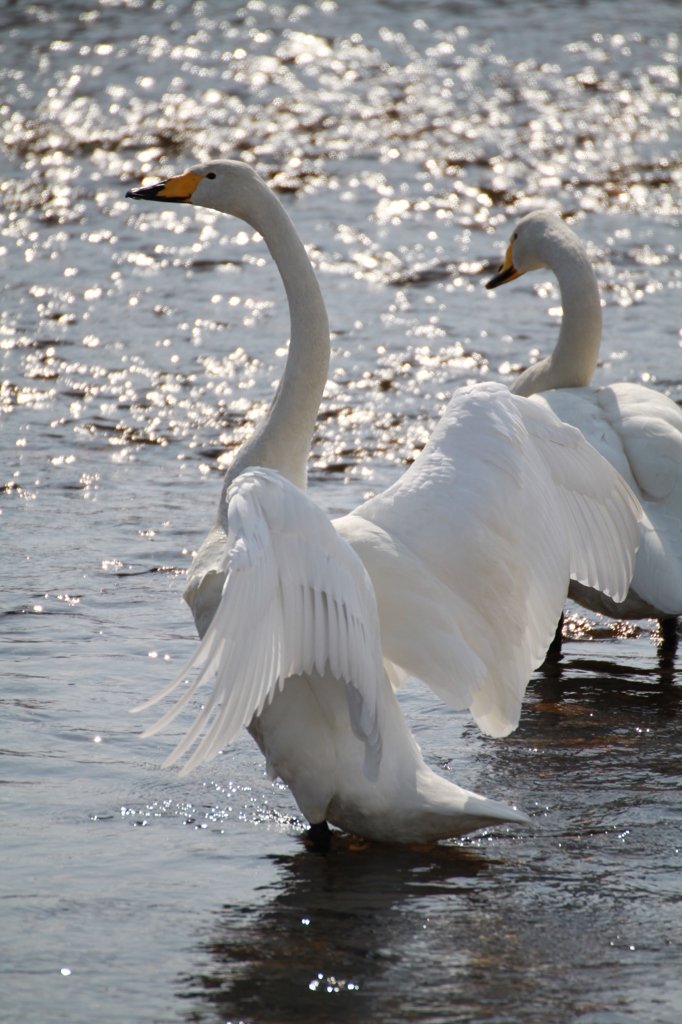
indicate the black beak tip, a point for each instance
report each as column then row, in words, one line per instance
column 501, row 277
column 155, row 192
column 145, row 191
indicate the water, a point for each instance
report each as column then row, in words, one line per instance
column 140, row 344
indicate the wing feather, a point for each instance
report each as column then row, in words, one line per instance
column 472, row 550
column 639, row 431
column 295, row 597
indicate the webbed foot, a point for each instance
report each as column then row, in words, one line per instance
column 319, row 836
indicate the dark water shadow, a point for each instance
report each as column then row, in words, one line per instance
column 604, row 681
column 600, row 699
column 441, row 934
column 322, row 949
column 598, row 739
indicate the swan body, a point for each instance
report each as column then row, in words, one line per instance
column 638, row 430
column 294, row 646
column 308, row 625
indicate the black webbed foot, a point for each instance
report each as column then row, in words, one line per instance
column 319, row 837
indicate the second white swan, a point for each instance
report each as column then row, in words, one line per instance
column 638, row 429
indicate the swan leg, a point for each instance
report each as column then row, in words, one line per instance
column 319, row 836
column 554, row 649
column 669, row 634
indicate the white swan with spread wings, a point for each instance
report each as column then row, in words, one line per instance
column 456, row 574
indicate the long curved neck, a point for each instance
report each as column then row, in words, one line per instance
column 282, row 440
column 574, row 359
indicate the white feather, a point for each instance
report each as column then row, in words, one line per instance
column 471, row 551
column 466, row 564
column 637, row 429
column 260, row 626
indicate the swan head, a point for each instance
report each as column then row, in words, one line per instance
column 224, row 185
column 533, row 245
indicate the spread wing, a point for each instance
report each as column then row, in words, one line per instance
column 470, row 553
column 649, row 426
column 599, row 511
column 639, row 431
column 296, row 598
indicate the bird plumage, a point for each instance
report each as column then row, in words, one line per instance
column 452, row 575
column 638, row 430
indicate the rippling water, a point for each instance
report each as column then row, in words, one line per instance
column 140, row 344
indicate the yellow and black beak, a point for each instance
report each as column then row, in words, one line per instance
column 178, row 189
column 507, row 271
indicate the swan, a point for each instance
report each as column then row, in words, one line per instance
column 638, row 430
column 455, row 574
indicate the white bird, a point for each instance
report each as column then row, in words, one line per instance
column 637, row 429
column 456, row 574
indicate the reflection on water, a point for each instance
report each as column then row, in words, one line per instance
column 328, row 945
column 597, row 693
column 548, row 924
column 662, row 654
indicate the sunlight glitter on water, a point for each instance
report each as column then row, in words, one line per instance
column 138, row 349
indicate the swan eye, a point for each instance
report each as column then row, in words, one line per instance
column 211, row 174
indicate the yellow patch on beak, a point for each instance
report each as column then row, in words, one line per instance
column 507, row 271
column 178, row 189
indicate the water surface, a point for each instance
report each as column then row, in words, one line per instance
column 140, row 344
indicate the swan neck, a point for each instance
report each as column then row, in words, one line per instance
column 575, row 356
column 577, row 350
column 282, row 439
